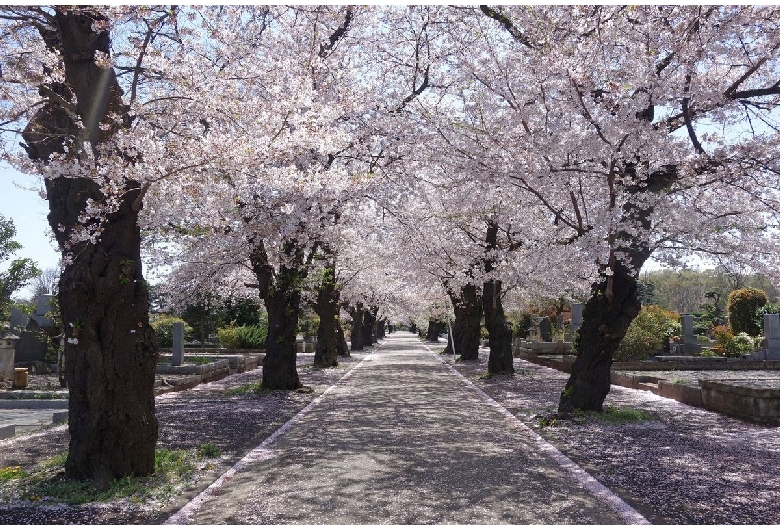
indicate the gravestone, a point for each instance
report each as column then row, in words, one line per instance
column 7, row 360
column 576, row 317
column 772, row 334
column 545, row 329
column 690, row 345
column 177, row 352
column 18, row 320
column 31, row 348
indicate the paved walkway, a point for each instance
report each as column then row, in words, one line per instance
column 402, row 439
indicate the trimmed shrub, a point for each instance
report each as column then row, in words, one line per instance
column 742, row 307
column 243, row 337
column 163, row 330
column 732, row 345
column 647, row 332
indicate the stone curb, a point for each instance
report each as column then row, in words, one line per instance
column 33, row 403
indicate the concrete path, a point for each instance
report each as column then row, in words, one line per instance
column 402, row 439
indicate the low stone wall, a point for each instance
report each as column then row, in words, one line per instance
column 743, row 399
column 698, row 363
column 236, row 363
column 748, row 399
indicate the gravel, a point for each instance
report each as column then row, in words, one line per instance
column 683, row 465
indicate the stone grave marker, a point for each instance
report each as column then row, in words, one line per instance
column 690, row 345
column 177, row 352
column 772, row 334
column 545, row 329
column 576, row 317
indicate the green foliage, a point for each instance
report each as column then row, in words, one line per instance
column 18, row 273
column 624, row 415
column 308, row 325
column 209, row 450
column 243, row 337
column 646, row 333
column 47, row 481
column 742, row 306
column 162, row 325
column 197, row 359
column 12, row 473
column 732, row 345
column 766, row 309
column 522, row 326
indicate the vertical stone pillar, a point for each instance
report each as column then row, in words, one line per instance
column 576, row 317
column 177, row 356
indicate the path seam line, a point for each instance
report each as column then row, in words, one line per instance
column 259, row 453
column 582, row 477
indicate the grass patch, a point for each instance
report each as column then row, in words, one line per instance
column 47, row 481
column 10, row 473
column 209, row 450
column 198, row 359
column 624, row 415
column 248, row 388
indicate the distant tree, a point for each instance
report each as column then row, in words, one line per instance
column 19, row 271
column 47, row 282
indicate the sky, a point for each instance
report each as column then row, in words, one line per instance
column 20, row 202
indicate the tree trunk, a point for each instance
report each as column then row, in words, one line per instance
column 356, row 333
column 604, row 324
column 326, row 354
column 341, row 341
column 613, row 304
column 380, row 329
column 465, row 329
column 368, row 327
column 501, row 360
column 283, row 304
column 110, row 351
column 435, row 329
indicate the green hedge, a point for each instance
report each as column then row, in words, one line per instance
column 243, row 337
column 163, row 330
column 742, row 306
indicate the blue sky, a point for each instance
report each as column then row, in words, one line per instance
column 28, row 211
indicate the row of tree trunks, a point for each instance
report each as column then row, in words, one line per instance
column 110, row 350
column 380, row 329
column 466, row 328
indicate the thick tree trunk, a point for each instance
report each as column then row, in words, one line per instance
column 465, row 329
column 110, row 352
column 326, row 354
column 435, row 329
column 501, row 360
column 356, row 333
column 613, row 304
column 604, row 325
column 380, row 329
column 369, row 319
column 283, row 304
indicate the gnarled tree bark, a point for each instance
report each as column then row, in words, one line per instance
column 110, row 350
